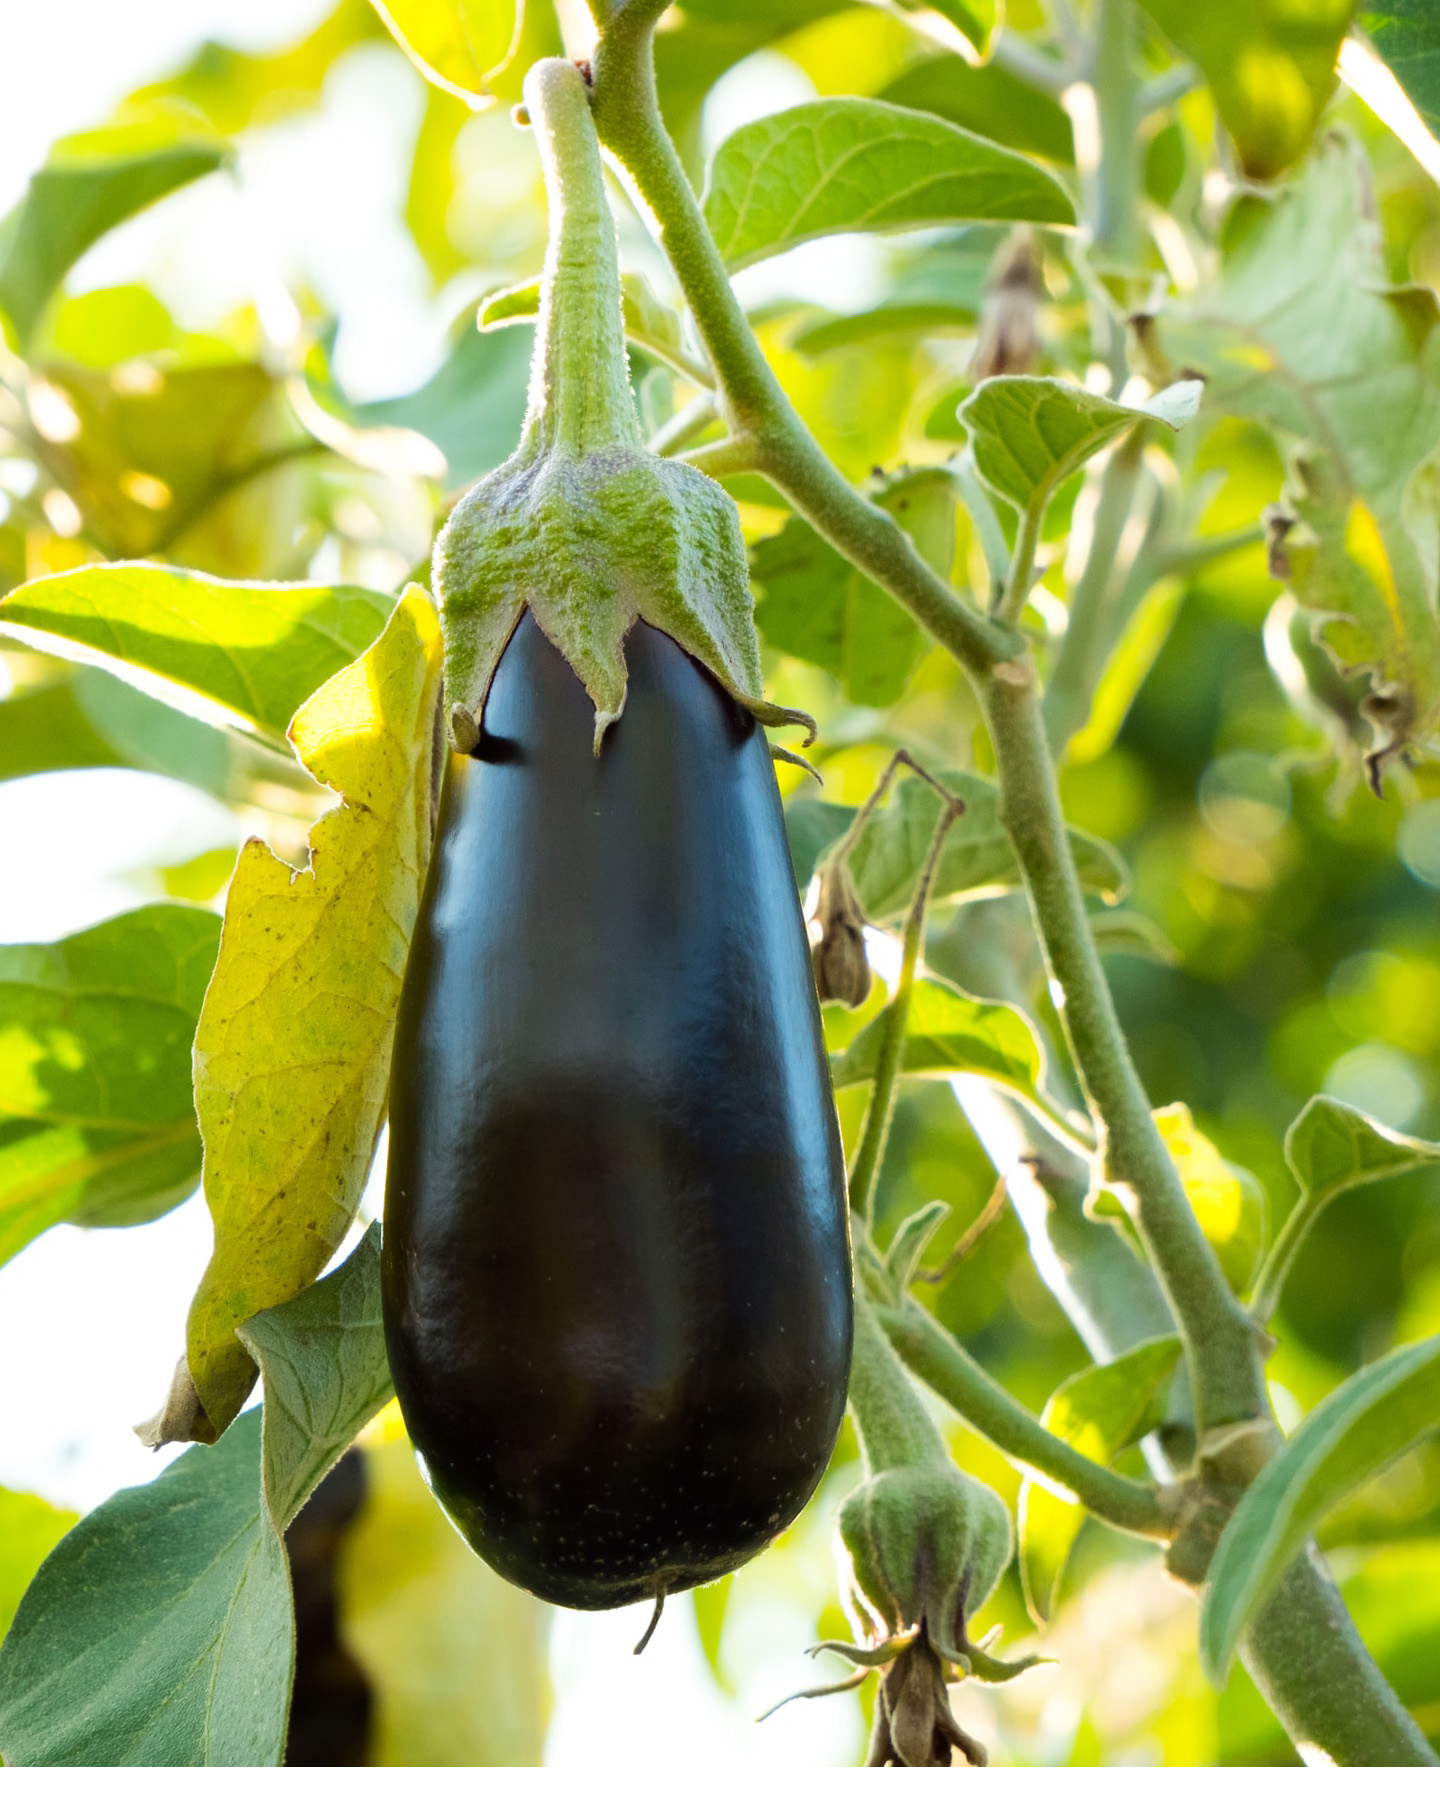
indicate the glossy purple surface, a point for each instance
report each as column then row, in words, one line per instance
column 617, row 1274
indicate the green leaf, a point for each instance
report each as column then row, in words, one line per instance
column 1407, row 35
column 96, row 1119
column 235, row 89
column 1029, row 432
column 478, row 49
column 471, row 409
column 89, row 184
column 1100, row 1412
column 978, row 860
column 30, row 1528
column 863, row 165
column 457, row 1658
column 160, row 1632
column 1302, row 332
column 1270, row 65
column 914, row 318
column 988, row 100
column 1332, row 1147
column 86, row 719
column 457, row 44
column 255, row 648
column 292, row 1051
column 949, row 1033
column 1355, row 1433
column 813, row 604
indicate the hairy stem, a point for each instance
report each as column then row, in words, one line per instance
column 1219, row 1337
column 958, row 1379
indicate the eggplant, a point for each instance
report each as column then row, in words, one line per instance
column 617, row 1286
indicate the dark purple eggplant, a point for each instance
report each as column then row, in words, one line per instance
column 616, row 1278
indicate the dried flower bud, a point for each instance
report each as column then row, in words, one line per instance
column 842, row 971
column 1009, row 336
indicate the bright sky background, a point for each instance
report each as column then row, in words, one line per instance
column 91, row 1323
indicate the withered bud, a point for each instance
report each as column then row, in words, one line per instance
column 1009, row 338
column 842, row 971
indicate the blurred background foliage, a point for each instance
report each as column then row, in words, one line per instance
column 1284, row 936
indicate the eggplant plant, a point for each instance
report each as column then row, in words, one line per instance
column 732, row 1083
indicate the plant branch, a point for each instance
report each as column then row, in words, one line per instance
column 1011, row 602
column 1115, row 235
column 932, row 1354
column 681, row 426
column 890, row 1057
column 752, row 402
column 1219, row 1337
column 1035, row 67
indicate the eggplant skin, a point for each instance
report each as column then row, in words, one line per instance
column 617, row 1285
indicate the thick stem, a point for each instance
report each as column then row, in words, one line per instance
column 960, row 1381
column 1220, row 1341
column 895, row 1430
column 580, row 398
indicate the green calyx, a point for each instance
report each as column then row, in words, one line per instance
column 583, row 525
column 925, row 1543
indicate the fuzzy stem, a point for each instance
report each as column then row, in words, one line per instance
column 1220, row 1341
column 960, row 1381
column 895, row 1430
column 580, row 398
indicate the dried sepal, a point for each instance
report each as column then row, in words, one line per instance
column 842, row 970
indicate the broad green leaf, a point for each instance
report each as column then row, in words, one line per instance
column 863, row 165
column 1229, row 1201
column 89, row 184
column 1302, row 332
column 457, row 1658
column 813, row 604
column 1133, row 934
column 255, row 648
column 988, row 100
column 30, row 1528
column 1270, row 65
column 1407, row 35
column 978, row 860
column 1356, row 1432
column 942, row 20
column 478, row 49
column 45, row 727
column 292, row 1051
column 1331, row 1148
column 949, row 1033
column 160, row 1632
column 649, row 323
column 1099, row 1412
column 97, row 1124
column 1029, row 432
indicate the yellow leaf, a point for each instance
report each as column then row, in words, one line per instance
column 1228, row 1201
column 292, row 1053
column 460, row 45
